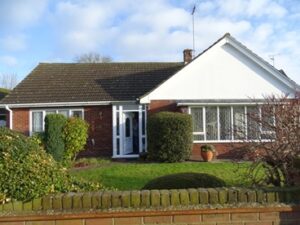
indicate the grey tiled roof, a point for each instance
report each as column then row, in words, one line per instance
column 88, row 82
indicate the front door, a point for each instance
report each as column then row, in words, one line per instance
column 128, row 140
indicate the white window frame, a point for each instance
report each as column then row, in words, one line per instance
column 232, row 124
column 43, row 111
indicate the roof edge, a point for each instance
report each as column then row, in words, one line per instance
column 64, row 104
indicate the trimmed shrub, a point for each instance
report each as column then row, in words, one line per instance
column 169, row 136
column 54, row 141
column 185, row 180
column 75, row 134
column 27, row 171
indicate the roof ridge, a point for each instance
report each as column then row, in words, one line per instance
column 109, row 63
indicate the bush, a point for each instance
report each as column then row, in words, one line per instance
column 75, row 134
column 27, row 171
column 185, row 180
column 54, row 142
column 169, row 137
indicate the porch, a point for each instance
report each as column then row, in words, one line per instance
column 129, row 130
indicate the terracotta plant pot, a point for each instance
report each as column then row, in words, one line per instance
column 207, row 155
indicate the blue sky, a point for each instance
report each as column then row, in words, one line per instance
column 33, row 31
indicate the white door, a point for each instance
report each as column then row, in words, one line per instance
column 128, row 140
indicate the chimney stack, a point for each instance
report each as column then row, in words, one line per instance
column 187, row 55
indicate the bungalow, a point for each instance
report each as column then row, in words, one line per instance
column 216, row 88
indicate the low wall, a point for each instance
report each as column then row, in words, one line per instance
column 221, row 206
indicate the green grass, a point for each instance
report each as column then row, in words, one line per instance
column 134, row 175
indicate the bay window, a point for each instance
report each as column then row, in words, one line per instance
column 38, row 117
column 229, row 123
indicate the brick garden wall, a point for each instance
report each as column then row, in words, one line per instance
column 223, row 206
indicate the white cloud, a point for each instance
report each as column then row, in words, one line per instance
column 9, row 61
column 251, row 8
column 19, row 14
column 14, row 42
column 81, row 26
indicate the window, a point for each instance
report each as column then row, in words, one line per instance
column 76, row 113
column 37, row 122
column 239, row 122
column 63, row 112
column 38, row 117
column 230, row 123
column 225, row 123
column 211, row 123
column 198, row 126
column 2, row 120
column 252, row 122
column 267, row 124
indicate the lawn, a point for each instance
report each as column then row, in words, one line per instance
column 134, row 175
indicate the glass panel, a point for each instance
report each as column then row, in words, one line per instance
column 198, row 137
column 197, row 115
column 118, row 146
column 267, row 123
column 211, row 123
column 64, row 112
column 239, row 122
column 77, row 114
column 143, row 123
column 143, row 144
column 48, row 112
column 127, row 127
column 2, row 120
column 118, row 124
column 225, row 123
column 268, row 119
column 253, row 122
column 37, row 121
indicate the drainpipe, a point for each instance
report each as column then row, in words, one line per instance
column 10, row 117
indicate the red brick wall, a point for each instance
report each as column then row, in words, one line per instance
column 223, row 151
column 100, row 121
column 162, row 105
column 267, row 215
column 21, row 120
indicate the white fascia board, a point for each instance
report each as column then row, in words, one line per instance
column 63, row 104
column 145, row 99
column 217, row 104
column 257, row 59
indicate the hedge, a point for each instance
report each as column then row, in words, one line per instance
column 75, row 133
column 169, row 136
column 54, row 141
column 27, row 171
column 185, row 180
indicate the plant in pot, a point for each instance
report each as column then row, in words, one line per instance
column 207, row 152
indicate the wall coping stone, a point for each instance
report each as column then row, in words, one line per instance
column 136, row 200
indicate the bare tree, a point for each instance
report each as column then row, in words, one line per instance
column 273, row 133
column 8, row 80
column 93, row 57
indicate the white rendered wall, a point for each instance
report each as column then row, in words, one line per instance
column 221, row 73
